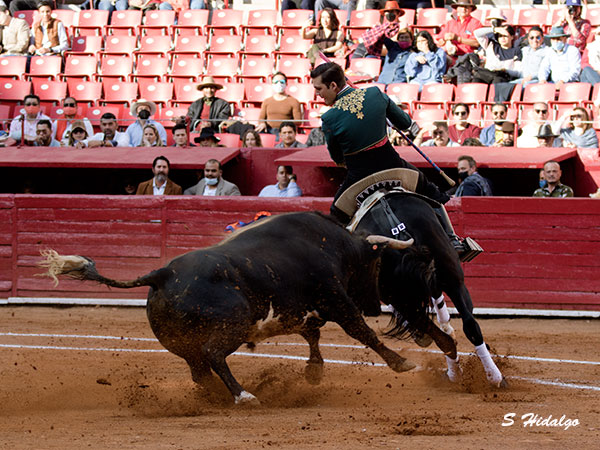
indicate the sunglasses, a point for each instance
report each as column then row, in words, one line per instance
column 31, row 104
column 437, row 133
column 279, row 82
column 541, row 111
column 498, row 113
column 535, row 38
column 69, row 105
column 460, row 113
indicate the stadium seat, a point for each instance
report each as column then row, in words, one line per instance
column 160, row 93
column 150, row 67
column 430, row 19
column 470, row 93
column 436, row 93
column 222, row 68
column 90, row 22
column 116, row 67
column 365, row 67
column 426, row 116
column 85, row 91
column 49, row 91
column 408, row 17
column 406, row 93
column 292, row 20
column 268, row 140
column 538, row 92
column 66, row 16
column 186, row 67
column 574, row 93
column 259, row 45
column 379, row 86
column 225, row 21
column 154, row 45
column 514, row 98
column 190, row 22
column 231, row 140
column 593, row 14
column 340, row 61
column 303, row 92
column 124, row 22
column 260, row 21
column 119, row 92
column 189, row 45
column 95, row 113
column 14, row 90
column 80, row 66
column 85, row 45
column 233, row 93
column 294, row 67
column 185, row 92
column 120, row 45
column 361, row 21
column 527, row 17
column 291, row 44
column 257, row 67
column 157, row 22
column 13, row 67
column 224, row 45
column 256, row 93
column 167, row 115
column 47, row 67
column 27, row 15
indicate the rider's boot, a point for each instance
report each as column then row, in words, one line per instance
column 467, row 248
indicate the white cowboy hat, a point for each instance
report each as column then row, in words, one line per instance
column 141, row 102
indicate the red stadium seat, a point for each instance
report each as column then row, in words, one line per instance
column 66, row 16
column 27, row 15
column 159, row 92
column 150, row 67
column 13, row 67
column 90, row 22
column 593, row 14
column 187, row 67
column 154, row 45
column 406, row 93
column 291, row 44
column 538, row 92
column 157, row 22
column 49, row 91
column 225, row 21
column 85, row 91
column 260, row 21
column 189, row 45
column 256, row 93
column 259, row 45
column 436, row 93
column 120, row 45
column 430, row 19
column 268, row 140
column 85, row 45
column 362, row 20
column 119, row 91
column 47, row 67
column 528, row 17
column 14, row 90
column 574, row 93
column 303, row 92
column 293, row 19
column 365, row 67
column 185, row 92
column 224, row 45
column 190, row 22
column 470, row 93
column 257, row 67
column 294, row 67
column 80, row 67
column 379, row 86
column 222, row 68
column 167, row 115
column 340, row 61
column 233, row 93
column 408, row 17
column 116, row 67
column 251, row 115
column 124, row 22
column 229, row 140
column 95, row 113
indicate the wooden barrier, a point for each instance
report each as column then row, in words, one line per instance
column 540, row 253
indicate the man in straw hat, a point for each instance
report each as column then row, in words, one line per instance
column 143, row 110
column 217, row 110
column 563, row 63
column 456, row 35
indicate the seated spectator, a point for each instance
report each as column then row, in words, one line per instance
column 570, row 16
column 346, row 5
column 591, row 74
column 180, row 136
column 207, row 138
column 576, row 129
column 151, row 138
column 470, row 182
column 528, row 137
column 78, row 135
column 472, row 142
column 112, row 5
column 287, row 136
column 14, row 34
column 428, row 64
column 213, row 183
column 502, row 60
column 27, row 122
column 217, row 110
column 532, row 56
column 143, row 110
column 371, row 41
column 327, row 38
column 492, row 135
column 44, row 137
column 279, row 107
column 462, row 129
column 439, row 136
column 562, row 63
column 251, row 139
column 553, row 188
column 180, row 5
column 509, row 130
column 48, row 34
column 410, row 133
column 456, row 36
column 108, row 136
column 63, row 124
column 547, row 138
column 286, row 184
column 160, row 184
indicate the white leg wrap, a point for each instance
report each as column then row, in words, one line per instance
column 245, row 397
column 442, row 313
column 454, row 371
column 494, row 375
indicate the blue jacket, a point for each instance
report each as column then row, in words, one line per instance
column 393, row 70
column 430, row 72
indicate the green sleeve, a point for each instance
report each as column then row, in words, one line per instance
column 399, row 118
column 335, row 151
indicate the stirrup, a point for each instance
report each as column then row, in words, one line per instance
column 470, row 250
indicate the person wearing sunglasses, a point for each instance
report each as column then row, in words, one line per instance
column 462, row 129
column 533, row 54
column 576, row 129
column 540, row 114
column 64, row 123
column 25, row 124
column 278, row 108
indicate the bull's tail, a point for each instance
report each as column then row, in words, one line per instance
column 84, row 268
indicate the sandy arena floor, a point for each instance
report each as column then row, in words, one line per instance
column 60, row 392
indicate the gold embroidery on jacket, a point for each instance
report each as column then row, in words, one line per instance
column 352, row 102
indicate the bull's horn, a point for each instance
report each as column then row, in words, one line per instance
column 393, row 243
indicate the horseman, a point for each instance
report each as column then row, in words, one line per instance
column 356, row 133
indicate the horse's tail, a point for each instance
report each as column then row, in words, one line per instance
column 414, row 279
column 84, row 268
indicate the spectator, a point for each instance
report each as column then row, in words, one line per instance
column 532, row 56
column 547, row 138
column 63, row 124
column 27, row 123
column 278, row 107
column 371, row 41
column 217, row 110
column 160, row 184
column 472, row 142
column 553, row 188
column 77, row 135
column 591, row 73
column 508, row 135
column 470, row 182
column 108, row 136
column 502, row 60
column 48, row 34
column 570, row 15
column 180, row 135
column 287, row 136
column 14, row 36
column 180, row 5
column 20, row 5
column 151, row 138
column 112, row 5
column 528, row 137
column 44, row 137
column 207, row 138
column 286, row 184
column 410, row 133
column 251, row 139
column 562, row 63
column 327, row 38
column 576, row 129
column 143, row 110
column 456, row 36
column 129, row 187
column 492, row 134
column 213, row 183
column 346, row 5
column 439, row 136
column 462, row 129
column 398, row 47
column 428, row 64
column 542, row 178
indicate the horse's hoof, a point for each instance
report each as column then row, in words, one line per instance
column 503, row 384
column 246, row 398
column 403, row 366
column 313, row 373
column 423, row 340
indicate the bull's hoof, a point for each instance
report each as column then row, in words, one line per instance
column 313, row 373
column 403, row 366
column 246, row 398
column 423, row 339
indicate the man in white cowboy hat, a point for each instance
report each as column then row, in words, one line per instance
column 217, row 110
column 570, row 16
column 563, row 63
column 457, row 35
column 143, row 110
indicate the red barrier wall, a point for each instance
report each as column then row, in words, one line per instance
column 540, row 253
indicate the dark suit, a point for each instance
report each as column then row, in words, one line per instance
column 146, row 188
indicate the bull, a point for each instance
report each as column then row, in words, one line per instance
column 285, row 274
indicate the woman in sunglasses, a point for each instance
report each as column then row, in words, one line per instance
column 576, row 130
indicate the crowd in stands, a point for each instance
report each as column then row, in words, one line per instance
column 483, row 77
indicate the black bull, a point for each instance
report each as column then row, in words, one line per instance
column 286, row 274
